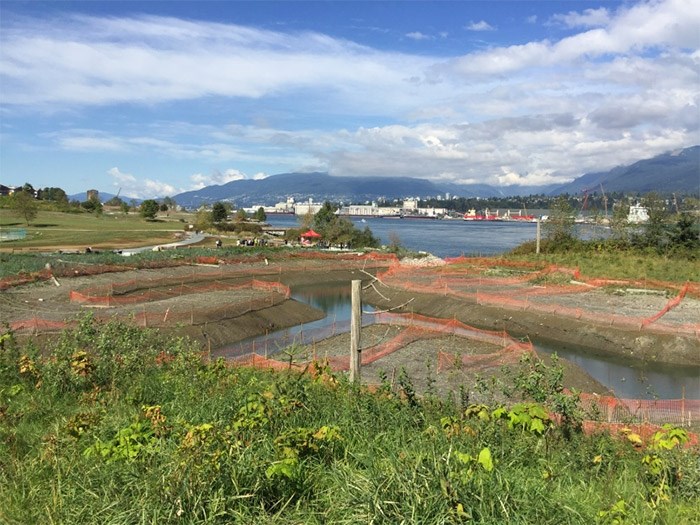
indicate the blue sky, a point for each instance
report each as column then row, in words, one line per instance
column 156, row 98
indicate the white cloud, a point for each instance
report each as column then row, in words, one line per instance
column 216, row 178
column 482, row 25
column 417, row 35
column 643, row 27
column 98, row 61
column 624, row 87
column 77, row 141
column 589, row 18
column 140, row 188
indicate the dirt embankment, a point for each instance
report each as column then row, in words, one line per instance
column 215, row 329
column 546, row 328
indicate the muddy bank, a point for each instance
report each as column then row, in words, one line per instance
column 214, row 329
column 545, row 328
column 219, row 333
column 419, row 363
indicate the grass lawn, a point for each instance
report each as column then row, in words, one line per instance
column 76, row 231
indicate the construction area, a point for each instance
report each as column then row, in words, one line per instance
column 445, row 324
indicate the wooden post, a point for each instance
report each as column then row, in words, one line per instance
column 355, row 330
column 539, row 232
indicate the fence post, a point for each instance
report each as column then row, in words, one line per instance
column 683, row 407
column 355, row 330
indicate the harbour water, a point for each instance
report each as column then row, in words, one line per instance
column 441, row 237
column 447, row 237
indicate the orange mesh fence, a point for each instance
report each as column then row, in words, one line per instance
column 545, row 289
column 38, row 325
column 417, row 327
column 160, row 289
column 292, row 260
column 258, row 361
column 163, row 317
column 682, row 412
column 670, row 305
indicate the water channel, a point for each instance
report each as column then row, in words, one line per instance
column 627, row 378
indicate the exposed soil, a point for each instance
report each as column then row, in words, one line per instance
column 553, row 329
column 217, row 322
column 418, row 361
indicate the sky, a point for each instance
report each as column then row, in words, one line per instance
column 149, row 99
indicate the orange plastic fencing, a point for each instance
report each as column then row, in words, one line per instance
column 117, row 294
column 36, row 325
column 419, row 327
column 681, row 412
column 547, row 289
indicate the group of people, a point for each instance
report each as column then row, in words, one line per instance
column 252, row 242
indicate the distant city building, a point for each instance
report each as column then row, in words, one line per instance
column 410, row 204
column 306, row 208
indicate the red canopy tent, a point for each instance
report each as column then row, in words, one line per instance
column 311, row 235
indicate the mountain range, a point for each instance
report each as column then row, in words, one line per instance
column 673, row 172
column 677, row 171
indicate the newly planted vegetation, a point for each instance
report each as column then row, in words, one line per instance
column 120, row 425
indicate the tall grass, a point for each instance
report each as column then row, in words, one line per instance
column 121, row 426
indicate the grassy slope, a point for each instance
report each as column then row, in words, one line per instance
column 54, row 230
column 79, row 444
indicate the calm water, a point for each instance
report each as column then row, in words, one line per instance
column 628, row 379
column 447, row 238
column 444, row 238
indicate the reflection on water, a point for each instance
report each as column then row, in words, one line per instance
column 627, row 378
column 332, row 298
column 634, row 379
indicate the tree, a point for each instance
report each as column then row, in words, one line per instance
column 114, row 201
column 260, row 215
column 202, row 220
column 559, row 227
column 340, row 230
column 324, row 217
column 149, row 209
column 241, row 215
column 218, row 212
column 654, row 230
column 618, row 221
column 24, row 205
column 685, row 233
column 53, row 194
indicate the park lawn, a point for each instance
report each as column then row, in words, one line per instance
column 56, row 230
